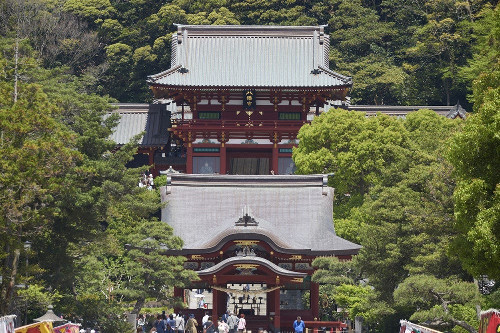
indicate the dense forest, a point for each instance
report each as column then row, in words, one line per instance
column 398, row 52
column 421, row 195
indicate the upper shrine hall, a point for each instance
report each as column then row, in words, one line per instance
column 242, row 93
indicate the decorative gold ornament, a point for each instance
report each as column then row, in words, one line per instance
column 246, row 242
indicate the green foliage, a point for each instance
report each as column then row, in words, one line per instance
column 330, row 270
column 37, row 300
column 360, row 301
column 394, row 197
column 475, row 154
column 90, row 9
column 443, row 302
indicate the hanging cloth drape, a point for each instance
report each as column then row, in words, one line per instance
column 246, row 292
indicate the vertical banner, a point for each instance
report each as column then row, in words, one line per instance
column 249, row 99
column 7, row 324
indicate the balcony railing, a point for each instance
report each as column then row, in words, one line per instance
column 237, row 124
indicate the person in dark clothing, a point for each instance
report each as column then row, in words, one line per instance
column 170, row 324
column 209, row 326
column 159, row 324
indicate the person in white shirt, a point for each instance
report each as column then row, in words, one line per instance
column 205, row 318
column 179, row 323
column 242, row 323
column 232, row 322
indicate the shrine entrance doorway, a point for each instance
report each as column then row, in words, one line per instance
column 249, row 298
column 249, row 161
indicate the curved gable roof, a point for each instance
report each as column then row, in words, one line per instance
column 294, row 212
column 250, row 56
column 250, row 260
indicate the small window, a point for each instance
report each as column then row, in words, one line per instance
column 208, row 115
column 289, row 115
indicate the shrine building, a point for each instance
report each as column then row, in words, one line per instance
column 222, row 128
column 243, row 92
column 251, row 240
column 236, row 97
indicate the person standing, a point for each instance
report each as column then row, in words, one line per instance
column 179, row 323
column 222, row 326
column 170, row 324
column 209, row 326
column 242, row 323
column 159, row 324
column 299, row 325
column 205, row 318
column 225, row 316
column 232, row 322
column 191, row 324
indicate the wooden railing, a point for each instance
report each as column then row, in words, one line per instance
column 324, row 326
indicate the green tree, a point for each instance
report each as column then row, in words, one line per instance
column 475, row 154
column 342, row 286
column 442, row 302
column 394, row 197
column 37, row 151
column 360, row 151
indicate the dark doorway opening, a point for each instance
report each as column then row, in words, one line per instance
column 249, row 162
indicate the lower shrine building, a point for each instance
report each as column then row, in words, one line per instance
column 251, row 240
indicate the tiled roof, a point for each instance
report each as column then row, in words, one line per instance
column 294, row 212
column 138, row 118
column 394, row 110
column 250, row 56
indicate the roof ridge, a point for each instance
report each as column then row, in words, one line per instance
column 337, row 75
column 164, row 73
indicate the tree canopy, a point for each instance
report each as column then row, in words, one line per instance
column 411, row 53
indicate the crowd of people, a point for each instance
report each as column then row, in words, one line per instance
column 179, row 323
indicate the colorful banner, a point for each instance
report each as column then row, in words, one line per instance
column 43, row 327
column 490, row 321
column 408, row 327
column 67, row 328
column 7, row 324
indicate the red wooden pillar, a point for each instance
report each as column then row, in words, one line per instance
column 315, row 300
column 189, row 159
column 223, row 159
column 151, row 155
column 215, row 305
column 277, row 315
column 274, row 162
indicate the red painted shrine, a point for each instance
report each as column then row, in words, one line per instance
column 250, row 229
column 243, row 92
column 252, row 240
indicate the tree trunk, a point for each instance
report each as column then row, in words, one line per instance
column 464, row 325
column 16, row 61
column 138, row 305
column 6, row 302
